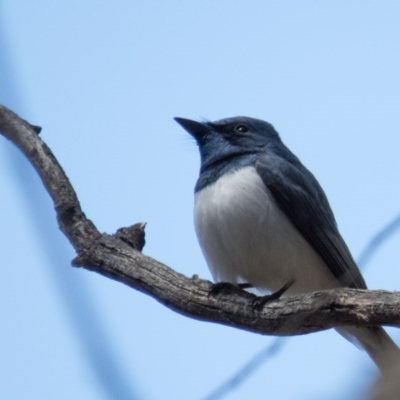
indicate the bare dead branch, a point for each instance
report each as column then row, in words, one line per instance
column 118, row 257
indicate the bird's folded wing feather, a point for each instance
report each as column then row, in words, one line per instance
column 301, row 198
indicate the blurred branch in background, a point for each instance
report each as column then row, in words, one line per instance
column 76, row 298
column 378, row 240
column 247, row 370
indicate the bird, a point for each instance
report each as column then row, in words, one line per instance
column 262, row 220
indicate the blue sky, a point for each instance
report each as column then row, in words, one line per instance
column 104, row 80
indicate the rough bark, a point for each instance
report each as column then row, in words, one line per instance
column 119, row 257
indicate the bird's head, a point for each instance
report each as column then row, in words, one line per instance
column 230, row 137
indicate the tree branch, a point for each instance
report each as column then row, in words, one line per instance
column 118, row 257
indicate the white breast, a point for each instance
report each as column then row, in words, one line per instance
column 245, row 237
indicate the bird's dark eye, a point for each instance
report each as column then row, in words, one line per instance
column 241, row 128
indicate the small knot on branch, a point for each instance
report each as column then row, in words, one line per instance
column 37, row 129
column 133, row 236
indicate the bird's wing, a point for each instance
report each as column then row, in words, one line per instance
column 301, row 198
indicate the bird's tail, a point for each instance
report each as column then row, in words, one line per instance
column 377, row 343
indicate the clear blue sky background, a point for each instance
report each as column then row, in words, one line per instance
column 104, row 80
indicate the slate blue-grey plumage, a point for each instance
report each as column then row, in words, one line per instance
column 262, row 218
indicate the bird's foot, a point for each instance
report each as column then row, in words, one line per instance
column 259, row 302
column 220, row 287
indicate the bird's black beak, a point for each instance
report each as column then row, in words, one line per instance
column 196, row 129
